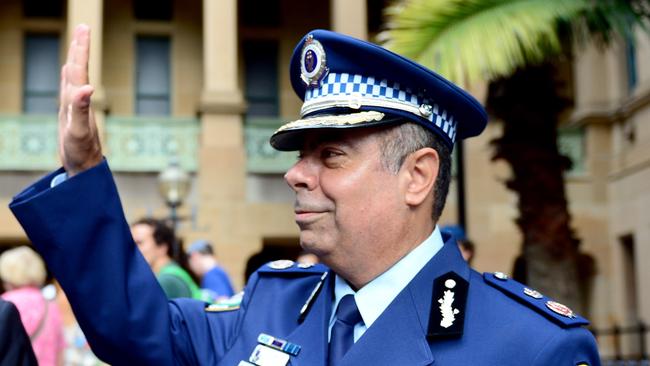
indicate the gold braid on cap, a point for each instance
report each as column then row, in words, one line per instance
column 334, row 120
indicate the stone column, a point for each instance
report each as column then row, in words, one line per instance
column 222, row 162
column 222, row 105
column 91, row 12
column 350, row 17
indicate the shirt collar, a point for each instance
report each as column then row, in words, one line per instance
column 375, row 297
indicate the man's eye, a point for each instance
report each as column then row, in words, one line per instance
column 326, row 154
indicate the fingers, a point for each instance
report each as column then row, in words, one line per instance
column 79, row 146
column 62, row 90
column 80, row 53
column 74, row 89
column 74, row 72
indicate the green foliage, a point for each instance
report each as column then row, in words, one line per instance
column 472, row 40
column 607, row 19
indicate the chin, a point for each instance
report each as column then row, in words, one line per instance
column 311, row 244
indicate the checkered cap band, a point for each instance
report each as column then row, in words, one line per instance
column 355, row 91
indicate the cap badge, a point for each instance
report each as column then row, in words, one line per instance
column 425, row 110
column 313, row 62
column 561, row 309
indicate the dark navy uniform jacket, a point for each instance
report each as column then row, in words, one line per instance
column 80, row 229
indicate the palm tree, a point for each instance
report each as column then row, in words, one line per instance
column 522, row 47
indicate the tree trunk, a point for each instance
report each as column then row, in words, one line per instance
column 529, row 106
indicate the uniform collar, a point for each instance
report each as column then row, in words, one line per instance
column 401, row 330
column 375, row 297
column 407, row 317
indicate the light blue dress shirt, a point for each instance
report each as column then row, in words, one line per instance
column 375, row 297
column 58, row 179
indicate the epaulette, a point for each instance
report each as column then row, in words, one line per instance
column 558, row 313
column 227, row 304
column 291, row 268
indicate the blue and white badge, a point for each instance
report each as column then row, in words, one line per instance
column 279, row 344
column 313, row 62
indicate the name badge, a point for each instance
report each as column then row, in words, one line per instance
column 267, row 356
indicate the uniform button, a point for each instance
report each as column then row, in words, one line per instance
column 281, row 264
column 533, row 293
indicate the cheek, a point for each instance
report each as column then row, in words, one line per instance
column 364, row 198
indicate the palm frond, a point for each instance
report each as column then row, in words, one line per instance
column 472, row 40
column 608, row 19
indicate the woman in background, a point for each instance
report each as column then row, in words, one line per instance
column 23, row 274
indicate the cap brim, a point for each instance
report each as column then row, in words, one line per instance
column 290, row 137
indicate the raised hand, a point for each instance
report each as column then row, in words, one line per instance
column 79, row 146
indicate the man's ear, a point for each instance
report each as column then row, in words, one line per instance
column 420, row 171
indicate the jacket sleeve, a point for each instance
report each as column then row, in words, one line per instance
column 79, row 228
column 574, row 346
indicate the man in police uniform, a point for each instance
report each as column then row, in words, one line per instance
column 375, row 139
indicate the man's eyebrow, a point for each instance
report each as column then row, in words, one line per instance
column 328, row 137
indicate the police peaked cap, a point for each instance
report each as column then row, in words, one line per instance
column 346, row 83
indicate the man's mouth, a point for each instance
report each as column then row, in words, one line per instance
column 306, row 213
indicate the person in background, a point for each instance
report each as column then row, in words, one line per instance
column 77, row 350
column 15, row 347
column 155, row 239
column 214, row 280
column 465, row 245
column 23, row 274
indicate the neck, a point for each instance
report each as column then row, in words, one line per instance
column 160, row 263
column 360, row 269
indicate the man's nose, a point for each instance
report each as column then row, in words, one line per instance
column 301, row 175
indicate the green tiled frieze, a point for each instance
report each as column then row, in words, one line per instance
column 137, row 144
column 28, row 142
column 261, row 157
column 148, row 143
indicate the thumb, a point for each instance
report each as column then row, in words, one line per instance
column 79, row 112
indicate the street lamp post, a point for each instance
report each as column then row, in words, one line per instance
column 174, row 184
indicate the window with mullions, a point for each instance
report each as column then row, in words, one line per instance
column 153, row 10
column 153, row 76
column 261, row 70
column 630, row 58
column 255, row 13
column 42, row 8
column 41, row 73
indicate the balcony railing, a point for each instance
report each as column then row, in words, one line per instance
column 134, row 144
column 261, row 157
column 28, row 142
column 142, row 144
column 629, row 345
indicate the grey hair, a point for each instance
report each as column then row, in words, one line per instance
column 398, row 142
